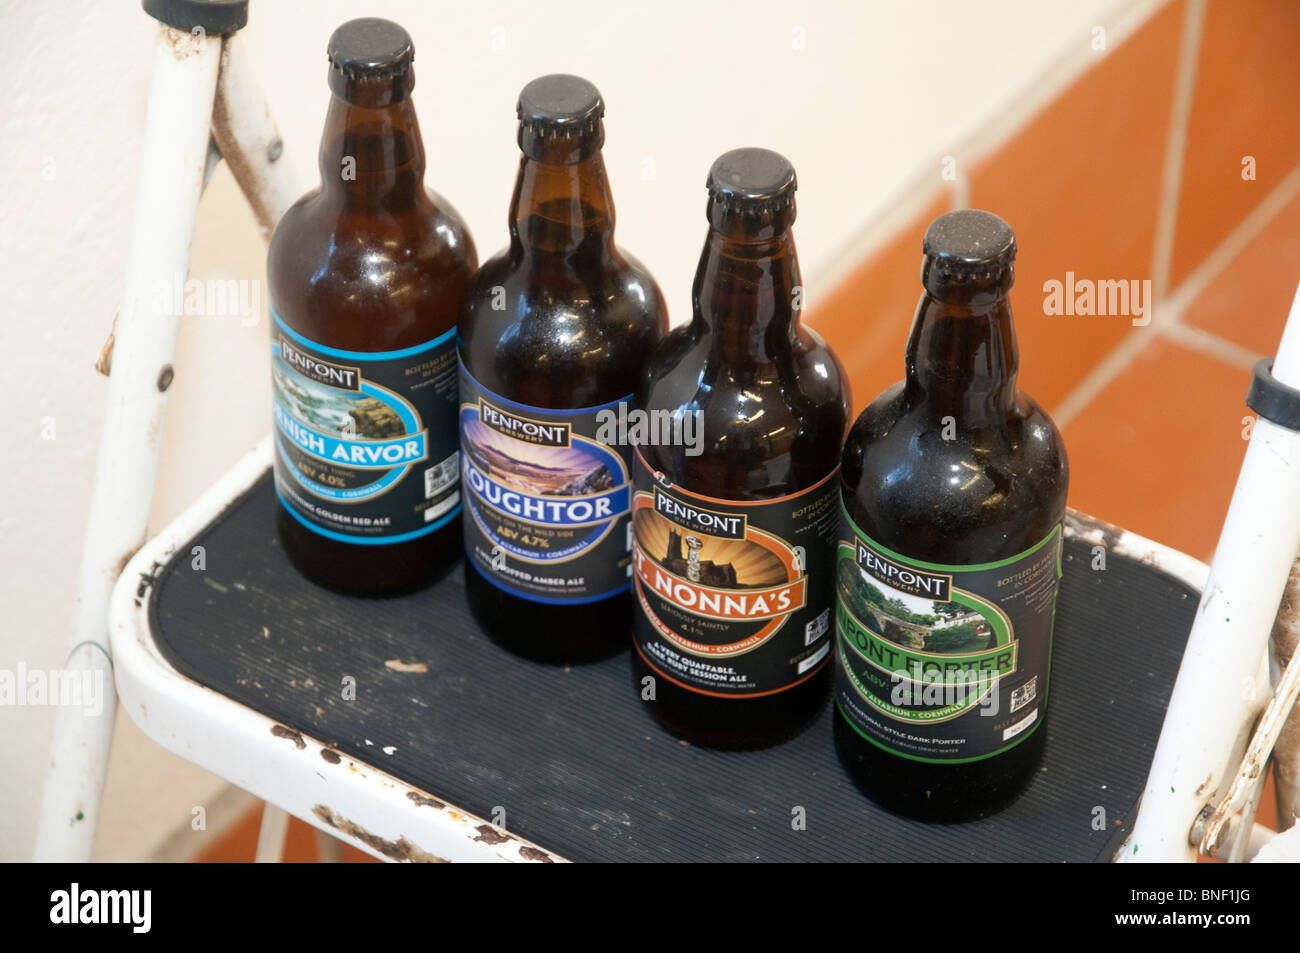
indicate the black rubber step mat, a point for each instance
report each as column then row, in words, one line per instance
column 581, row 770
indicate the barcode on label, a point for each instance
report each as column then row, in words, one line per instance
column 815, row 629
column 1023, row 695
column 440, row 476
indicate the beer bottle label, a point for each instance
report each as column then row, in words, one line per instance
column 734, row 598
column 546, row 501
column 365, row 441
column 941, row 663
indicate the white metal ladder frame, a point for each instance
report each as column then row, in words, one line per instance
column 204, row 105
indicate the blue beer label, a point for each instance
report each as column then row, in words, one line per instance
column 546, row 503
column 365, row 441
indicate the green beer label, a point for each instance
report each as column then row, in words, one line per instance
column 943, row 663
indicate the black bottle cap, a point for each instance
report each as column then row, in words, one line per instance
column 752, row 189
column 968, row 247
column 211, row 16
column 560, row 118
column 371, row 48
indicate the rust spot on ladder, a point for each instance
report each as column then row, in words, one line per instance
column 280, row 731
column 126, row 558
column 532, row 853
column 147, row 579
column 247, row 169
column 1092, row 530
column 104, row 363
column 184, row 44
column 400, row 849
column 490, row 835
column 423, row 800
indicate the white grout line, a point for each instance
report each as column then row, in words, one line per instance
column 1045, row 88
column 1216, row 261
column 1106, row 370
column 879, row 233
column 1040, row 92
column 1117, row 360
column 1207, row 342
column 1171, row 176
column 1024, row 104
column 1167, row 318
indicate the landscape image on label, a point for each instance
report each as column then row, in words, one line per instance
column 707, row 560
column 334, row 411
column 542, row 471
column 910, row 621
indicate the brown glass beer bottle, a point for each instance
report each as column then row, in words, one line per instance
column 367, row 274
column 954, row 485
column 735, row 509
column 555, row 332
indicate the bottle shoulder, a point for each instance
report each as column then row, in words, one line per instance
column 429, row 227
column 512, row 301
column 557, row 334
column 764, row 430
column 332, row 273
column 449, row 224
column 936, row 490
column 684, row 372
column 623, row 279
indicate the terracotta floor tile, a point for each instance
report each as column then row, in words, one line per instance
column 353, row 856
column 1159, row 450
column 867, row 316
column 1267, row 813
column 1248, row 302
column 1243, row 104
column 238, row 844
column 1079, row 184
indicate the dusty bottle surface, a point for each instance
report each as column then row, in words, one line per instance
column 367, row 276
column 735, row 510
column 555, row 332
column 954, row 487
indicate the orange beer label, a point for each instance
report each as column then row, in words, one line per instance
column 734, row 598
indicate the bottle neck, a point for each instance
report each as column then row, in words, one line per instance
column 962, row 358
column 372, row 157
column 748, row 293
column 562, row 208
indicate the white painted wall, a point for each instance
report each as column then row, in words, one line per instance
column 863, row 97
